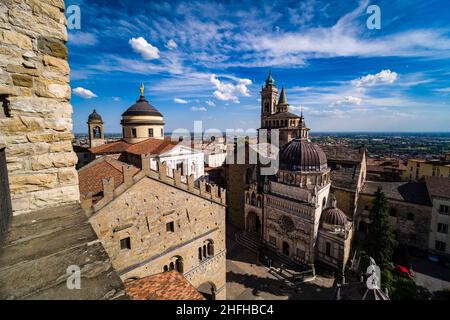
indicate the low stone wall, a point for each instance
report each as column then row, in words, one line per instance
column 35, row 121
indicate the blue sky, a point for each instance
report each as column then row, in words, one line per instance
column 207, row 60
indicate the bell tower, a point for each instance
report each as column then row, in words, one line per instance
column 269, row 97
column 96, row 131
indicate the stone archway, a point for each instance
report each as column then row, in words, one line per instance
column 253, row 223
column 208, row 290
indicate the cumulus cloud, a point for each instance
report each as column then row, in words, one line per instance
column 349, row 100
column 171, row 44
column 145, row 49
column 116, row 99
column 210, row 103
column 380, row 78
column 228, row 91
column 198, row 109
column 84, row 93
column 181, row 101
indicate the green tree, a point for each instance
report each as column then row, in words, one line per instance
column 380, row 242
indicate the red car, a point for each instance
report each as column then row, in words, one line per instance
column 403, row 271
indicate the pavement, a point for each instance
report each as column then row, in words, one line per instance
column 430, row 275
column 249, row 280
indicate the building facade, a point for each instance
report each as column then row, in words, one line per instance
column 292, row 211
column 150, row 222
column 439, row 239
column 419, row 168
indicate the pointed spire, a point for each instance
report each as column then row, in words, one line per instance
column 270, row 81
column 283, row 99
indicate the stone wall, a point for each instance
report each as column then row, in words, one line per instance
column 35, row 121
column 143, row 214
column 411, row 222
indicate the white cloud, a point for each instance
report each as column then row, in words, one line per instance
column 210, row 103
column 382, row 77
column 198, row 109
column 145, row 49
column 79, row 38
column 178, row 100
column 116, row 99
column 84, row 93
column 445, row 90
column 349, row 100
column 227, row 91
column 171, row 44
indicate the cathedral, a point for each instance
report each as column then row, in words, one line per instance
column 293, row 213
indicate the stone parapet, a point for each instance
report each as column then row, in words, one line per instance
column 35, row 120
column 204, row 190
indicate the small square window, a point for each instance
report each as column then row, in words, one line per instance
column 440, row 245
column 170, row 227
column 133, row 132
column 442, row 228
column 444, row 209
column 125, row 244
column 393, row 212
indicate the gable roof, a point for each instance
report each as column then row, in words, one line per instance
column 111, row 148
column 152, row 146
column 170, row 285
column 438, row 186
column 412, row 192
column 90, row 176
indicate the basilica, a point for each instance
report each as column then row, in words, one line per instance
column 293, row 213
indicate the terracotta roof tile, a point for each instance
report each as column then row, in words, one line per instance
column 111, row 148
column 91, row 176
column 169, row 285
column 152, row 146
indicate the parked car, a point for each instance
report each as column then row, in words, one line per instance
column 403, row 271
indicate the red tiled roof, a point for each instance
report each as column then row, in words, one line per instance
column 111, row 148
column 152, row 146
column 169, row 285
column 91, row 176
column 149, row 146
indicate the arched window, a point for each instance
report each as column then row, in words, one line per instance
column 204, row 251
column 200, row 255
column 97, row 132
column 165, row 268
column 324, row 202
column 210, row 249
column 171, row 266
column 179, row 264
column 259, row 202
column 253, row 199
column 328, row 249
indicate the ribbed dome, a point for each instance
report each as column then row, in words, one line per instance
column 302, row 155
column 94, row 116
column 334, row 216
column 142, row 108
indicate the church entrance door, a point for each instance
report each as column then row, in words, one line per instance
column 286, row 248
column 253, row 223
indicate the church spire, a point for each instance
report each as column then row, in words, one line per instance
column 282, row 103
column 270, row 81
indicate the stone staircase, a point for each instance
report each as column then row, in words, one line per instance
column 249, row 240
